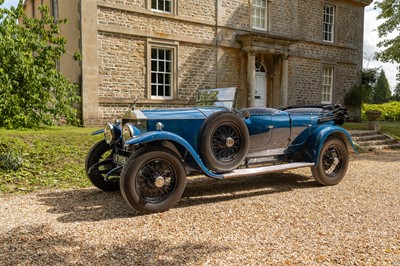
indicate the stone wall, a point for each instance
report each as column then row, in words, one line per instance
column 209, row 56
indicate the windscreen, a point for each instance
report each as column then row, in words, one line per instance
column 216, row 97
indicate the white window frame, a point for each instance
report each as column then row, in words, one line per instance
column 327, row 84
column 259, row 13
column 155, row 74
column 161, row 6
column 328, row 25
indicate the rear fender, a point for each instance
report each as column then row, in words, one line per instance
column 156, row 136
column 318, row 137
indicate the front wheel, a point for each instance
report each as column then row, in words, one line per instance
column 153, row 181
column 101, row 152
column 332, row 163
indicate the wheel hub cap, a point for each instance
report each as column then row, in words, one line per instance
column 159, row 182
column 229, row 142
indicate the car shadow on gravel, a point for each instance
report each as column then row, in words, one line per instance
column 44, row 245
column 96, row 205
column 205, row 191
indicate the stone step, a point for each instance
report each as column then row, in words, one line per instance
column 381, row 147
column 386, row 141
column 358, row 133
column 370, row 137
column 370, row 140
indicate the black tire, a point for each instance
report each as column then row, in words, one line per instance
column 223, row 141
column 139, row 177
column 332, row 162
column 101, row 151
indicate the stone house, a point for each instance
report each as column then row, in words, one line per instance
column 158, row 53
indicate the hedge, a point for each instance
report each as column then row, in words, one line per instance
column 390, row 111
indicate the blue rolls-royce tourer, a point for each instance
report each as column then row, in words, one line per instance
column 149, row 153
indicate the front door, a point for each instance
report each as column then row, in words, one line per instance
column 261, row 90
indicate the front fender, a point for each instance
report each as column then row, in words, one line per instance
column 318, row 137
column 97, row 132
column 174, row 138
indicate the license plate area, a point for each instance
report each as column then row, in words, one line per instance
column 119, row 159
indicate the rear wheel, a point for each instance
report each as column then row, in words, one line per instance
column 98, row 163
column 332, row 163
column 153, row 181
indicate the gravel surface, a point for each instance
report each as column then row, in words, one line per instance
column 272, row 219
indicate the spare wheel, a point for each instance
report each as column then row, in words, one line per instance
column 223, row 141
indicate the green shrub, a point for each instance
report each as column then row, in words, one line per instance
column 10, row 157
column 390, row 111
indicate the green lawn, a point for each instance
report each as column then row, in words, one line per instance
column 390, row 128
column 51, row 158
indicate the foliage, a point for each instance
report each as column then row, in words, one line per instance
column 33, row 92
column 52, row 158
column 390, row 13
column 363, row 92
column 10, row 157
column 396, row 94
column 382, row 91
column 390, row 111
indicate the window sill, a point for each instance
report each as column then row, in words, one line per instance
column 112, row 100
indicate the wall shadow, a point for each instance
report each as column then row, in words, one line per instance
column 43, row 245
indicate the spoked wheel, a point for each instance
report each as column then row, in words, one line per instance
column 153, row 181
column 332, row 164
column 98, row 163
column 224, row 141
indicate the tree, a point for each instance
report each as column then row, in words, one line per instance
column 33, row 93
column 382, row 91
column 390, row 13
column 396, row 94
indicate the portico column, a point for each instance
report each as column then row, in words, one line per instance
column 284, row 81
column 251, row 76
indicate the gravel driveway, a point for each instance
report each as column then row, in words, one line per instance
column 271, row 219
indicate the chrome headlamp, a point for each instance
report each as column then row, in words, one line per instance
column 127, row 132
column 109, row 133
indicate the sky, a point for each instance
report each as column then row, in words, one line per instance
column 370, row 42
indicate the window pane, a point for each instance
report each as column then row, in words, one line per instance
column 153, row 65
column 153, row 78
column 161, row 54
column 153, row 53
column 168, row 6
column 167, row 91
column 161, row 66
column 161, row 5
column 160, row 78
column 154, row 90
column 154, row 4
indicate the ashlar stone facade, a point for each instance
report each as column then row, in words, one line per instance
column 158, row 53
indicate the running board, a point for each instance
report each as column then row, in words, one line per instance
column 266, row 169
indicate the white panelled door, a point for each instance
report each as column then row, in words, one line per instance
column 261, row 90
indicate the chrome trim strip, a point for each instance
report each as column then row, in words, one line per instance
column 266, row 169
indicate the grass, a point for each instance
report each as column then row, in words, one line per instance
column 51, row 158
column 390, row 128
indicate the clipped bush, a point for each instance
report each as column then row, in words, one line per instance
column 390, row 111
column 10, row 157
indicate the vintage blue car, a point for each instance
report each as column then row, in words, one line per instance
column 151, row 152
